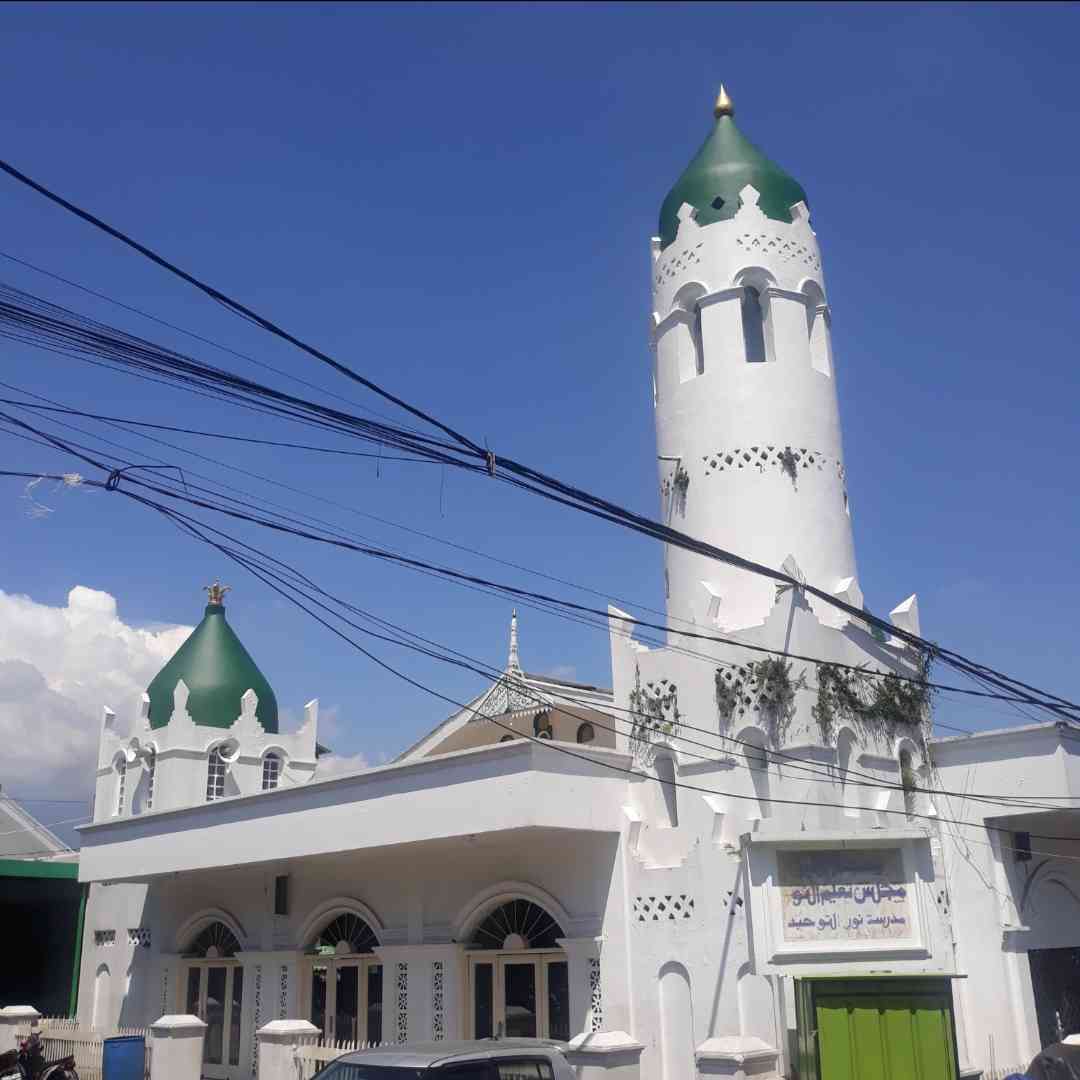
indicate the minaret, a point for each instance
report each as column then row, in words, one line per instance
column 747, row 424
column 513, row 662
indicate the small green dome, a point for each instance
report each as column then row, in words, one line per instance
column 217, row 670
column 725, row 164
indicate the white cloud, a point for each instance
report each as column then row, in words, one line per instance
column 58, row 667
column 340, row 765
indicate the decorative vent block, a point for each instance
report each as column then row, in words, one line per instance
column 139, row 936
column 104, row 937
column 663, row 908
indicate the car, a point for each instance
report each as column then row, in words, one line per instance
column 476, row 1059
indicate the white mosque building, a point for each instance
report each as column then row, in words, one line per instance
column 735, row 872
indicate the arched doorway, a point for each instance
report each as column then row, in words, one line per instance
column 214, row 992
column 343, row 984
column 518, row 979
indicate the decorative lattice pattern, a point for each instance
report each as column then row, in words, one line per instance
column 104, row 937
column 517, row 919
column 256, row 1021
column 667, row 908
column 438, row 1004
column 165, row 992
column 676, row 262
column 139, row 936
column 214, row 941
column 283, row 999
column 596, row 995
column 346, row 930
column 402, row 1001
column 790, row 460
column 779, row 249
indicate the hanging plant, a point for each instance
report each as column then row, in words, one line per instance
column 654, row 708
column 869, row 701
column 766, row 687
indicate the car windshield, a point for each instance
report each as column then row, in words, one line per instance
column 358, row 1070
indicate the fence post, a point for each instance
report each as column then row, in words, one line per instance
column 278, row 1041
column 13, row 1017
column 176, row 1048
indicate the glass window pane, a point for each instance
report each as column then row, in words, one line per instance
column 215, row 1015
column 519, row 985
column 518, row 1070
column 347, row 1002
column 234, row 1016
column 191, row 1001
column 558, row 1001
column 374, row 1003
column 483, row 1001
column 318, row 998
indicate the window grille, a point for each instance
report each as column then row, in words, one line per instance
column 121, row 784
column 271, row 772
column 151, row 770
column 215, row 776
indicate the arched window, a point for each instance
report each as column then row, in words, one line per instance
column 507, row 738
column 121, row 784
column 665, row 774
column 845, row 745
column 344, row 934
column 909, row 783
column 690, row 352
column 586, row 733
column 214, row 942
column 817, row 329
column 215, row 775
column 271, row 773
column 542, row 725
column 757, row 761
column 151, row 771
column 100, row 1007
column 753, row 325
column 517, row 924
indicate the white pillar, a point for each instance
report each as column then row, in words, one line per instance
column 278, row 1042
column 14, row 1018
column 176, row 1048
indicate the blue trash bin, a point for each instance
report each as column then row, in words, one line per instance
column 123, row 1057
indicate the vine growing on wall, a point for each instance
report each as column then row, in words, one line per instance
column 870, row 702
column 789, row 464
column 675, row 488
column 765, row 687
column 654, row 709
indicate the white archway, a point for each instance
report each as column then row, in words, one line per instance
column 486, row 901
column 190, row 929
column 329, row 910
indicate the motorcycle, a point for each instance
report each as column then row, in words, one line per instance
column 28, row 1063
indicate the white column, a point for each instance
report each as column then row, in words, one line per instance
column 14, row 1018
column 278, row 1042
column 409, row 976
column 585, row 976
column 176, row 1048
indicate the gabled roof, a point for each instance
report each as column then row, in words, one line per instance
column 22, row 836
column 515, row 692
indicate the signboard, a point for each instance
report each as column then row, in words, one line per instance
column 849, row 895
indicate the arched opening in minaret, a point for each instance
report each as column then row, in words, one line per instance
column 690, row 351
column 753, row 325
column 817, row 328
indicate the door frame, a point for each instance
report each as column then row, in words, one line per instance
column 363, row 962
column 868, row 986
column 234, row 969
column 540, row 959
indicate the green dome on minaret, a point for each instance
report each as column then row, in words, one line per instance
column 217, row 670
column 725, row 164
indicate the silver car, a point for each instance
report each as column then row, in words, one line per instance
column 479, row 1059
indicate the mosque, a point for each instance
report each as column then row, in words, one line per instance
column 727, row 864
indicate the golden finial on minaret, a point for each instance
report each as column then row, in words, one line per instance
column 216, row 592
column 724, row 105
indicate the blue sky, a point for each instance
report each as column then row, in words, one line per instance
column 457, row 200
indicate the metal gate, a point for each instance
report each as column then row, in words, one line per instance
column 1055, row 980
column 875, row 1029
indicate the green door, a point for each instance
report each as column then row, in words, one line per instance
column 876, row 1029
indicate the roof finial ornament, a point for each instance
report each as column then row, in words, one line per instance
column 724, row 105
column 513, row 665
column 216, row 592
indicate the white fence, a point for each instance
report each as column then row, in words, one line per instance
column 312, row 1055
column 63, row 1037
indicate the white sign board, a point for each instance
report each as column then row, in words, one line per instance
column 849, row 895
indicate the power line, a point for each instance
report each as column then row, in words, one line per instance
column 538, row 483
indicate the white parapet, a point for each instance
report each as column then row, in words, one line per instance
column 278, row 1042
column 14, row 1018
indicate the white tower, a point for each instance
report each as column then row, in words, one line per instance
column 747, row 424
